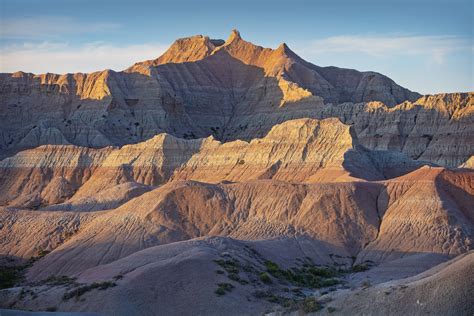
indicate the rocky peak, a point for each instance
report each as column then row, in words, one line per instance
column 198, row 47
column 187, row 49
column 234, row 36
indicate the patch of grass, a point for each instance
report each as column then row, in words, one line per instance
column 331, row 309
column 223, row 288
column 78, row 292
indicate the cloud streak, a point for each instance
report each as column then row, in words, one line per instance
column 63, row 58
column 43, row 27
column 433, row 47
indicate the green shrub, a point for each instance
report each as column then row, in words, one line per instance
column 231, row 265
column 223, row 288
column 265, row 278
column 220, row 291
column 360, row 268
column 306, row 276
column 322, row 272
column 272, row 267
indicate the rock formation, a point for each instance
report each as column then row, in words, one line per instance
column 231, row 90
column 225, row 164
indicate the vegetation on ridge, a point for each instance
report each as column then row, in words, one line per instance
column 293, row 289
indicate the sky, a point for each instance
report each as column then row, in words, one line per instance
column 424, row 45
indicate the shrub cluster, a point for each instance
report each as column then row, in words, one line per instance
column 307, row 276
column 223, row 288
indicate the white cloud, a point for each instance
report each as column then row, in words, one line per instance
column 64, row 58
column 433, row 47
column 45, row 27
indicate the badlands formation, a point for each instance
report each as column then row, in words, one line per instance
column 224, row 178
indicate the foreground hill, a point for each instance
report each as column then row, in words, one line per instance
column 183, row 278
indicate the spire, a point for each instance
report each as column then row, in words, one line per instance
column 285, row 50
column 234, row 35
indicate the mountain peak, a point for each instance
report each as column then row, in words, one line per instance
column 234, row 35
column 187, row 49
column 283, row 48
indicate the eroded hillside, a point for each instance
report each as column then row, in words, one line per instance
column 228, row 178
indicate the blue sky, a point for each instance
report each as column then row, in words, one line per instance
column 426, row 46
